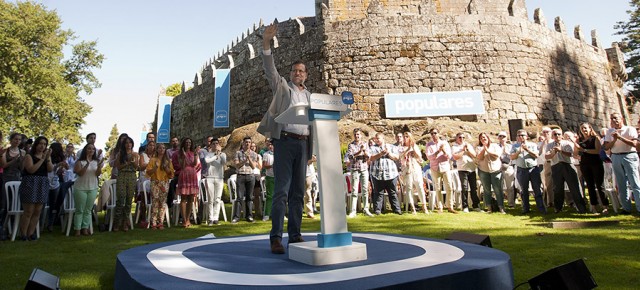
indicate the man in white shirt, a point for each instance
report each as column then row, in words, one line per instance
column 621, row 140
column 559, row 152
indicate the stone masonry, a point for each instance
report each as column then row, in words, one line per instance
column 524, row 69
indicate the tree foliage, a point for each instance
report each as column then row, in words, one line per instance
column 630, row 45
column 113, row 138
column 39, row 90
column 174, row 90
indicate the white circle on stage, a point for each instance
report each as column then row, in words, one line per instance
column 171, row 261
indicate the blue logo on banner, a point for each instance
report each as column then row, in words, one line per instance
column 434, row 104
column 347, row 97
column 221, row 116
column 163, row 134
column 164, row 119
column 221, row 99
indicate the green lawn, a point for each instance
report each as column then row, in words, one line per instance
column 612, row 253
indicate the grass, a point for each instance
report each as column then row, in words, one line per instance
column 612, row 253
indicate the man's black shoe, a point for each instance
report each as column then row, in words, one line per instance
column 276, row 247
column 294, row 240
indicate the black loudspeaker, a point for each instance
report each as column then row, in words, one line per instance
column 514, row 126
column 570, row 276
column 41, row 280
column 471, row 238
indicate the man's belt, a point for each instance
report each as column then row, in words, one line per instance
column 293, row 135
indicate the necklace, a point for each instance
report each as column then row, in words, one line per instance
column 13, row 151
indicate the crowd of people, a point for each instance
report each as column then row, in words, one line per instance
column 561, row 169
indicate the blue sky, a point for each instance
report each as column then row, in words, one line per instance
column 152, row 43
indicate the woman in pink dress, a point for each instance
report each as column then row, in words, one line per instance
column 186, row 164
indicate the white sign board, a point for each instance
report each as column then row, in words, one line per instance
column 434, row 104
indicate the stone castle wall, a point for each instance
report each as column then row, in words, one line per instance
column 525, row 69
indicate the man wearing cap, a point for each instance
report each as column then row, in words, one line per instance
column 508, row 172
column 525, row 153
column 621, row 140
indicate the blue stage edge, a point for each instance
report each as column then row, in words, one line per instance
column 246, row 262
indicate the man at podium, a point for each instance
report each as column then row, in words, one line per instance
column 291, row 145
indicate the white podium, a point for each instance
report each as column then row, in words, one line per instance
column 334, row 244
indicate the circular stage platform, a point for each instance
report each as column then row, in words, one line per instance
column 246, row 262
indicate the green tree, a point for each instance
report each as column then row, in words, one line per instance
column 108, row 146
column 39, row 90
column 113, row 138
column 630, row 45
column 174, row 90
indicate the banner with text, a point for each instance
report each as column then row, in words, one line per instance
column 434, row 104
column 221, row 99
column 164, row 120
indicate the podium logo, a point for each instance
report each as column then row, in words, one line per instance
column 347, row 97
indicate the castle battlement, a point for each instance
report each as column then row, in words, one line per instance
column 524, row 68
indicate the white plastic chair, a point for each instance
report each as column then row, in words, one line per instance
column 111, row 205
column 14, row 208
column 233, row 193
column 263, row 194
column 610, row 187
column 147, row 201
column 149, row 204
column 349, row 186
column 204, row 198
column 177, row 211
column 69, row 209
column 456, row 188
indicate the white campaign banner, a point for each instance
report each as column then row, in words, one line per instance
column 434, row 104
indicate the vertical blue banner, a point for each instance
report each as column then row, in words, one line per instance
column 143, row 138
column 221, row 99
column 164, row 120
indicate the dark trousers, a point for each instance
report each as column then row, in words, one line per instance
column 290, row 171
column 593, row 175
column 379, row 186
column 244, row 186
column 524, row 176
column 171, row 194
column 469, row 185
column 561, row 173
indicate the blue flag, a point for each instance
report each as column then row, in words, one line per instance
column 221, row 99
column 164, row 120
